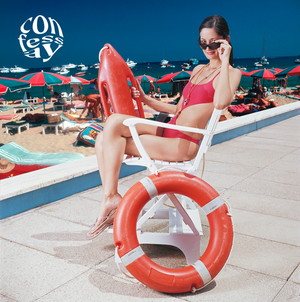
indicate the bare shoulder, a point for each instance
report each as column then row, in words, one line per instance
column 235, row 71
column 197, row 68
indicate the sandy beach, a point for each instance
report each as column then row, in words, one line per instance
column 34, row 141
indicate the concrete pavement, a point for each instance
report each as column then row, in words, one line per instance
column 45, row 256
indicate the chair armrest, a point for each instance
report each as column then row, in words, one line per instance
column 133, row 121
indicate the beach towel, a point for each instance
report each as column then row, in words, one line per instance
column 8, row 117
column 21, row 156
column 21, row 169
column 71, row 118
column 89, row 134
column 240, row 109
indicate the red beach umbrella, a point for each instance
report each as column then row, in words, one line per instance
column 177, row 76
column 291, row 71
column 45, row 78
column 12, row 85
column 78, row 80
column 262, row 73
column 145, row 78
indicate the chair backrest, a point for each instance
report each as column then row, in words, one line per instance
column 113, row 76
column 207, row 138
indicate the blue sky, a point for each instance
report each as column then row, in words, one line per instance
column 149, row 31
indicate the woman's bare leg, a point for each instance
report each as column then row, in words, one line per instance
column 114, row 142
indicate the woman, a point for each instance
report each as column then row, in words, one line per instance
column 211, row 86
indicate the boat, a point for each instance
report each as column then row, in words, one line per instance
column 80, row 74
column 170, row 66
column 70, row 65
column 130, row 63
column 185, row 66
column 82, row 67
column 96, row 65
column 17, row 69
column 164, row 62
column 4, row 70
column 64, row 71
column 193, row 61
column 56, row 68
column 263, row 59
column 297, row 61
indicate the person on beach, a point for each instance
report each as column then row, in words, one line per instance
column 295, row 92
column 210, row 86
column 92, row 105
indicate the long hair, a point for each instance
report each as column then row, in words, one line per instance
column 220, row 25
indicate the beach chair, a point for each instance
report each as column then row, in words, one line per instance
column 185, row 229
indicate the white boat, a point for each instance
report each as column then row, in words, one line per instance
column 263, row 59
column 17, row 69
column 64, row 71
column 80, row 73
column 130, row 63
column 4, row 70
column 56, row 68
column 70, row 65
column 164, row 62
column 82, row 67
column 297, row 61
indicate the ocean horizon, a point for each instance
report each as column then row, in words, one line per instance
column 154, row 69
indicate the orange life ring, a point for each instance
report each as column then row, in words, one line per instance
column 192, row 277
column 114, row 73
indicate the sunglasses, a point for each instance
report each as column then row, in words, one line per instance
column 212, row 46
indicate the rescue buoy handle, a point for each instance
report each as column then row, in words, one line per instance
column 100, row 52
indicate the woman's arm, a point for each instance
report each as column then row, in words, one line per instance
column 228, row 80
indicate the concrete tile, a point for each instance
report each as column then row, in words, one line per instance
column 60, row 238
column 97, row 193
column 280, row 177
column 267, row 227
column 275, row 134
column 222, row 180
column 295, row 277
column 227, row 168
column 292, row 157
column 265, row 142
column 235, row 285
column 244, row 156
column 269, row 188
column 263, row 204
column 27, row 274
column 6, row 299
column 264, row 256
column 290, row 292
column 96, row 285
column 74, row 208
column 284, row 166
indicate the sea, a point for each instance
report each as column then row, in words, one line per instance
column 155, row 70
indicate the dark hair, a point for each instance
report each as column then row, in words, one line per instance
column 220, row 25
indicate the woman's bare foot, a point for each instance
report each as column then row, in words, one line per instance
column 106, row 215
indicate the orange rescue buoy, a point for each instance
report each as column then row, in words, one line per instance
column 192, row 277
column 114, row 74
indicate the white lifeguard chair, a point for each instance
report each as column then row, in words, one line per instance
column 185, row 229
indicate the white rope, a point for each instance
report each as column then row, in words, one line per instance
column 118, row 262
column 228, row 207
column 100, row 52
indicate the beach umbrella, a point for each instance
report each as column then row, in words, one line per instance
column 290, row 71
column 275, row 70
column 244, row 73
column 45, row 78
column 12, row 85
column 182, row 76
column 262, row 73
column 145, row 78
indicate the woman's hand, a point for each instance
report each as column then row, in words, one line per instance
column 224, row 50
column 135, row 93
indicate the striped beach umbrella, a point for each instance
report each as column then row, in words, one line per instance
column 290, row 71
column 12, row 85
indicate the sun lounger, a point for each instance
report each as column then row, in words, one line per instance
column 21, row 156
column 5, row 108
column 16, row 125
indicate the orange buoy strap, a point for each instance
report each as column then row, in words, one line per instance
column 202, row 271
column 212, row 205
column 149, row 186
column 132, row 255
